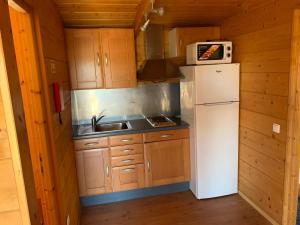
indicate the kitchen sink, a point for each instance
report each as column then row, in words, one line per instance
column 103, row 128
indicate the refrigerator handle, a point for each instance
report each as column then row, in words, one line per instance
column 219, row 103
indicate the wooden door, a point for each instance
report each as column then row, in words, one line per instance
column 118, row 58
column 84, row 58
column 167, row 162
column 128, row 177
column 93, row 171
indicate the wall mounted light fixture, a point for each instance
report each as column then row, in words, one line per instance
column 160, row 11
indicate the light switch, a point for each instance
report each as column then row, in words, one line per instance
column 276, row 128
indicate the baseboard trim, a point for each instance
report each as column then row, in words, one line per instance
column 272, row 221
column 133, row 194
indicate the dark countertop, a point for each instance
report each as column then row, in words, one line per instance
column 138, row 126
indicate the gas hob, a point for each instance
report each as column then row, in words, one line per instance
column 160, row 121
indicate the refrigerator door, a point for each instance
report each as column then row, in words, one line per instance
column 217, row 83
column 217, row 149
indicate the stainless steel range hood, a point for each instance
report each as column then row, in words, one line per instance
column 156, row 67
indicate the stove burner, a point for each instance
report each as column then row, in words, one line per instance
column 160, row 121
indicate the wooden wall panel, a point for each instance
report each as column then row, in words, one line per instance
column 260, row 197
column 8, row 194
column 8, row 187
column 4, row 143
column 54, row 69
column 275, row 106
column 11, row 218
column 273, row 168
column 262, row 124
column 261, row 33
column 262, row 143
column 265, row 83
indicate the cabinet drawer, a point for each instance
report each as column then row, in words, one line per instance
column 128, row 177
column 166, row 135
column 91, row 143
column 126, row 139
column 127, row 160
column 127, row 150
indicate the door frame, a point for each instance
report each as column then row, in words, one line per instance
column 291, row 185
column 46, row 206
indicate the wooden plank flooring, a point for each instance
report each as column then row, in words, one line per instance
column 174, row 209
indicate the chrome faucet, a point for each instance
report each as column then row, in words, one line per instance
column 96, row 120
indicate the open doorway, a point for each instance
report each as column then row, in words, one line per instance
column 22, row 25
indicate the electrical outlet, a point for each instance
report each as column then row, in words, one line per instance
column 68, row 220
column 53, row 67
column 276, row 128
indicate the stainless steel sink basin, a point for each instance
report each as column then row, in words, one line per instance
column 103, row 128
column 111, row 127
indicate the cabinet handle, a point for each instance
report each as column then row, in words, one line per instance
column 107, row 170
column 180, row 43
column 127, row 140
column 127, row 160
column 127, row 150
column 166, row 135
column 106, row 59
column 91, row 144
column 148, row 165
column 128, row 170
column 98, row 58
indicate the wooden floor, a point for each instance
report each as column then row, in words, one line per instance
column 174, row 209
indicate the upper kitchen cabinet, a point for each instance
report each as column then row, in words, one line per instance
column 179, row 38
column 101, row 58
column 118, row 58
column 84, row 58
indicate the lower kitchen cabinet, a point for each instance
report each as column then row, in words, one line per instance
column 128, row 177
column 132, row 161
column 167, row 162
column 93, row 171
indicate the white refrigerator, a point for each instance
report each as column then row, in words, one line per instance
column 210, row 104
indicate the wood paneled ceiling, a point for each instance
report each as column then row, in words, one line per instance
column 122, row 13
column 98, row 13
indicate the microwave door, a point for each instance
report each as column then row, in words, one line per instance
column 210, row 52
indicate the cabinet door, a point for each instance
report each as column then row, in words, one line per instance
column 181, row 37
column 167, row 162
column 84, row 58
column 93, row 171
column 118, row 58
column 128, row 177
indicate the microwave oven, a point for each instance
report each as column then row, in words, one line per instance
column 209, row 53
